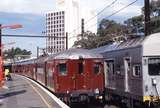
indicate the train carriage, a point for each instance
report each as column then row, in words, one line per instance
column 41, row 70
column 75, row 75
column 75, row 72
column 17, row 68
column 132, row 70
column 30, row 66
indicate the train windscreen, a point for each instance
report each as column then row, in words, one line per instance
column 154, row 66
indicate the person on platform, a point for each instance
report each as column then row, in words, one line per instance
column 7, row 75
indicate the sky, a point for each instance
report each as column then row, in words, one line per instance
column 31, row 14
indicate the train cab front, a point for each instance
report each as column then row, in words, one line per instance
column 151, row 81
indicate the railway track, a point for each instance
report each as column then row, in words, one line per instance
column 94, row 105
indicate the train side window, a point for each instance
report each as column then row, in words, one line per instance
column 50, row 74
column 63, row 69
column 136, row 70
column 97, row 68
column 118, row 71
column 40, row 70
column 110, row 66
column 80, row 68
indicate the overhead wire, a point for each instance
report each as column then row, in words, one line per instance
column 29, row 36
column 95, row 15
column 41, row 36
column 116, row 12
column 101, row 11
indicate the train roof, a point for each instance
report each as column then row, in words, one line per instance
column 26, row 61
column 42, row 59
column 130, row 43
column 76, row 54
column 120, row 45
column 150, row 45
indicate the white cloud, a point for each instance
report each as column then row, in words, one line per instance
column 98, row 5
column 43, row 6
column 27, row 6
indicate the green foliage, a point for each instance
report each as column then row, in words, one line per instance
column 135, row 24
column 109, row 30
column 154, row 8
column 16, row 53
column 88, row 40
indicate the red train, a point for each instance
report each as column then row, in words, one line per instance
column 75, row 75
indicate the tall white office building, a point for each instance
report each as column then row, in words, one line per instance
column 66, row 20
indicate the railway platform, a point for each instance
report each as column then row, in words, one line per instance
column 22, row 92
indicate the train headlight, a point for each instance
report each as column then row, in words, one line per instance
column 154, row 82
column 96, row 91
column 67, row 92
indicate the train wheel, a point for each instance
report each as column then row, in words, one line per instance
column 68, row 101
column 153, row 105
column 146, row 104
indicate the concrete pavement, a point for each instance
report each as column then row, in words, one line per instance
column 23, row 93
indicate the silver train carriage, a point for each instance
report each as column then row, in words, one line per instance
column 132, row 70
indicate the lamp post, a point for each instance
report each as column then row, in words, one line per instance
column 1, row 60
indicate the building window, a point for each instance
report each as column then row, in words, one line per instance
column 136, row 70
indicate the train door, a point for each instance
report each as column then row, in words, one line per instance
column 34, row 71
column 49, row 76
column 80, row 74
column 127, row 63
column 65, row 78
column 97, row 77
column 110, row 73
column 45, row 73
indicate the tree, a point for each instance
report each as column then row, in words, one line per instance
column 107, row 31
column 136, row 24
column 88, row 40
column 16, row 53
column 111, row 29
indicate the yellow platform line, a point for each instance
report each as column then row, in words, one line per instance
column 47, row 104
